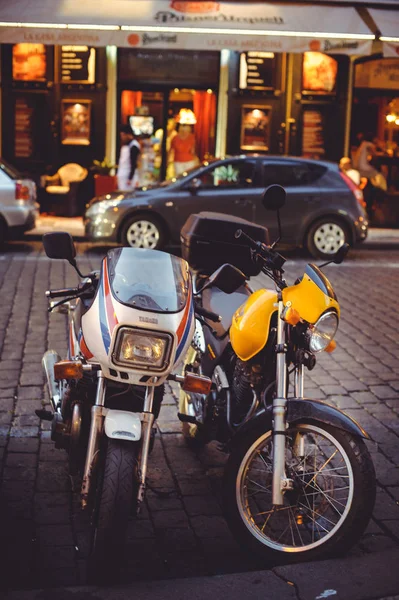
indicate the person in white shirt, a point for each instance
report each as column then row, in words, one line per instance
column 127, row 174
column 345, row 164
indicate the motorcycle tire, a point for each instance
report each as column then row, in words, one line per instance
column 324, row 514
column 113, row 504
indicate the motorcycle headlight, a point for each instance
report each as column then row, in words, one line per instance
column 322, row 332
column 141, row 349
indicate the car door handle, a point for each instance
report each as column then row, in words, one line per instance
column 242, row 201
column 311, row 198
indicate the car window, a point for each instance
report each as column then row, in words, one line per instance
column 8, row 170
column 229, row 174
column 291, row 174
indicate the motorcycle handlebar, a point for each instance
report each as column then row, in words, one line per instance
column 208, row 314
column 272, row 259
column 253, row 243
column 64, row 293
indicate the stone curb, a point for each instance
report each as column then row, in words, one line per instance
column 368, row 577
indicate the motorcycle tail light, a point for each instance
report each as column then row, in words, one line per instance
column 197, row 384
column 68, row 369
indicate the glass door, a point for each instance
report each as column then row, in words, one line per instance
column 191, row 129
column 145, row 112
column 176, row 129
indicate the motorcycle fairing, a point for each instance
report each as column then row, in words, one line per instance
column 101, row 322
column 302, row 410
column 312, row 296
column 148, row 279
column 250, row 328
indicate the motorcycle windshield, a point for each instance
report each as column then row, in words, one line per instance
column 148, row 279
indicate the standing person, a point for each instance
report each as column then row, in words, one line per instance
column 345, row 164
column 127, row 174
column 182, row 150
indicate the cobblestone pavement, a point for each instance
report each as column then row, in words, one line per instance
column 181, row 531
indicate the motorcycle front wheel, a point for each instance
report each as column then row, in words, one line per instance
column 112, row 509
column 328, row 508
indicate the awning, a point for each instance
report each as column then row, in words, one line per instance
column 387, row 22
column 181, row 24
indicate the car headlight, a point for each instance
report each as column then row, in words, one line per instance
column 322, row 332
column 142, row 349
column 98, row 208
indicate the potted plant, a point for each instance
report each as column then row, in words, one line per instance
column 104, row 181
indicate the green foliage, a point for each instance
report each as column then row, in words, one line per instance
column 103, row 167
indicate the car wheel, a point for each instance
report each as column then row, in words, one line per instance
column 325, row 237
column 143, row 231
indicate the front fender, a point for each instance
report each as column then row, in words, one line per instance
column 303, row 410
column 122, row 425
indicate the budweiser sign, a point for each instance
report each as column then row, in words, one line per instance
column 194, row 7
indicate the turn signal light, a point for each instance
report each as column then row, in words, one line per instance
column 197, row 384
column 331, row 346
column 68, row 369
column 292, row 316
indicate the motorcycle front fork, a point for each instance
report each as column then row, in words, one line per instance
column 98, row 413
column 281, row 483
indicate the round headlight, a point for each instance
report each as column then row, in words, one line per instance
column 322, row 332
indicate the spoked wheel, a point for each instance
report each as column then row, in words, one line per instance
column 326, row 511
column 113, row 504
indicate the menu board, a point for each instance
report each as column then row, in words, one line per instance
column 23, row 128
column 78, row 64
column 313, row 141
column 256, row 71
column 169, row 68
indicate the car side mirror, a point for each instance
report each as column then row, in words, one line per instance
column 194, row 185
column 59, row 245
column 273, row 198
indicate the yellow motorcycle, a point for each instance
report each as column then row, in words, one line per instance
column 299, row 482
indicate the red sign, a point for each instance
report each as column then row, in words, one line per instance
column 194, row 7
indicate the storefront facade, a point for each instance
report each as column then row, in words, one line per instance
column 250, row 81
column 53, row 105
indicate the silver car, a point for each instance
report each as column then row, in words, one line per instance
column 18, row 207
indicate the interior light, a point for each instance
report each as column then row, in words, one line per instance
column 209, row 91
column 397, row 122
column 176, row 90
column 390, row 118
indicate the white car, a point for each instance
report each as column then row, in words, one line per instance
column 18, row 207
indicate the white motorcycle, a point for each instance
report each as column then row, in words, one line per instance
column 129, row 327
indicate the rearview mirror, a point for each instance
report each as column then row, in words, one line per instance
column 341, row 254
column 194, row 185
column 273, row 198
column 59, row 245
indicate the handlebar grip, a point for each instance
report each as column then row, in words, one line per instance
column 64, row 293
column 208, row 314
column 253, row 243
